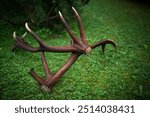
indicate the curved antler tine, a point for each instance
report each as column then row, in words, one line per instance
column 103, row 44
column 27, row 27
column 40, row 41
column 21, row 43
column 14, row 35
column 113, row 43
column 80, row 25
column 68, row 28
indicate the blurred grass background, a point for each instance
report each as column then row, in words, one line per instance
column 124, row 74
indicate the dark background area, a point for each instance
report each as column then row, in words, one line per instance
column 38, row 12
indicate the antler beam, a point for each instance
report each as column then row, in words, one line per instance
column 78, row 46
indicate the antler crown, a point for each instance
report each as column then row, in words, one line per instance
column 78, row 47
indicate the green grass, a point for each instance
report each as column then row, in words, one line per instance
column 124, row 74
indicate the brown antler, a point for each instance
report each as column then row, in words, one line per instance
column 21, row 39
column 78, row 47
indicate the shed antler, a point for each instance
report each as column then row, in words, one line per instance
column 77, row 47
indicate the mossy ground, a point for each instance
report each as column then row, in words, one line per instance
column 124, row 74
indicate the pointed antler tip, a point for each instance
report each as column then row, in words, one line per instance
column 60, row 14
column 27, row 27
column 24, row 34
column 26, row 24
column 14, row 35
column 72, row 7
column 114, row 43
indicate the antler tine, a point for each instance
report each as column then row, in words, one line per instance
column 80, row 25
column 14, row 35
column 36, row 77
column 24, row 34
column 44, row 47
column 103, row 44
column 73, row 57
column 20, row 43
column 46, row 68
column 39, row 40
column 68, row 28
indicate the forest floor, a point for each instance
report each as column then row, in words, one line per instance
column 124, row 74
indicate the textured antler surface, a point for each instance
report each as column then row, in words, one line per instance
column 78, row 47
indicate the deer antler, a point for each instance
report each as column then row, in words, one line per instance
column 78, row 47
